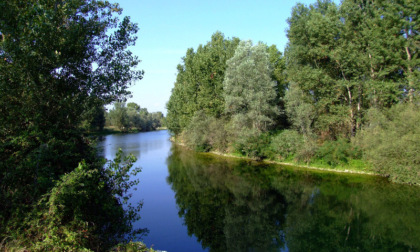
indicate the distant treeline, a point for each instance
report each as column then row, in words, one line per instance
column 122, row 117
column 345, row 93
column 133, row 116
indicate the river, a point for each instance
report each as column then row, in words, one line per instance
column 202, row 202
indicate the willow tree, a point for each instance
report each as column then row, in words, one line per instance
column 250, row 92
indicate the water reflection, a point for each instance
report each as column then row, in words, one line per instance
column 135, row 144
column 236, row 205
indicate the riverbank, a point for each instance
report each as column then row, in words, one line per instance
column 364, row 169
column 15, row 245
column 114, row 130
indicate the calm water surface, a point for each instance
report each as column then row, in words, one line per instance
column 202, row 202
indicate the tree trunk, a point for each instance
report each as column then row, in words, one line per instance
column 409, row 75
column 352, row 124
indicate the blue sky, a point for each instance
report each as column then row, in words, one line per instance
column 168, row 28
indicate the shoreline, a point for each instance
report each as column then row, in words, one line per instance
column 308, row 167
column 292, row 164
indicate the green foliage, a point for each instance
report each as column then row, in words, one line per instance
column 299, row 109
column 60, row 63
column 345, row 59
column 205, row 133
column 390, row 141
column 342, row 60
column 286, row 144
column 196, row 133
column 118, row 116
column 199, row 82
column 133, row 116
column 84, row 210
column 132, row 247
column 253, row 144
column 218, row 134
column 249, row 89
column 337, row 152
column 94, row 118
column 307, row 150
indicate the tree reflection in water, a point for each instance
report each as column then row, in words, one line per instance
column 238, row 205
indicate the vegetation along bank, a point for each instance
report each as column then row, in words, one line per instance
column 344, row 94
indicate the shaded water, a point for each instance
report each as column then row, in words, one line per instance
column 202, row 202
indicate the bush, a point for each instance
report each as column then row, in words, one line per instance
column 307, row 150
column 196, row 133
column 83, row 211
column 338, row 152
column 205, row 133
column 218, row 136
column 391, row 142
column 286, row 144
column 253, row 144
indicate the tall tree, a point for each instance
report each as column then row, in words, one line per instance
column 119, row 116
column 199, row 83
column 57, row 59
column 278, row 64
column 249, row 89
column 351, row 57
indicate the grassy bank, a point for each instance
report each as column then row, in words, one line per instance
column 353, row 166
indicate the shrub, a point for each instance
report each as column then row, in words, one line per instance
column 286, row 144
column 253, row 144
column 218, row 136
column 391, row 142
column 83, row 211
column 308, row 150
column 205, row 133
column 196, row 133
column 337, row 152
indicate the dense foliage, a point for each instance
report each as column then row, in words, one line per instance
column 249, row 90
column 199, row 83
column 125, row 117
column 341, row 63
column 60, row 59
column 391, row 142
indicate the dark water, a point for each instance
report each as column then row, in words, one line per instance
column 202, row 202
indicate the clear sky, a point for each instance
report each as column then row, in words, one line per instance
column 169, row 27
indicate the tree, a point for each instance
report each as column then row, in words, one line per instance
column 58, row 58
column 351, row 57
column 400, row 21
column 134, row 106
column 278, row 64
column 94, row 117
column 249, row 90
column 133, row 116
column 314, row 36
column 199, row 82
column 119, row 116
column 299, row 109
